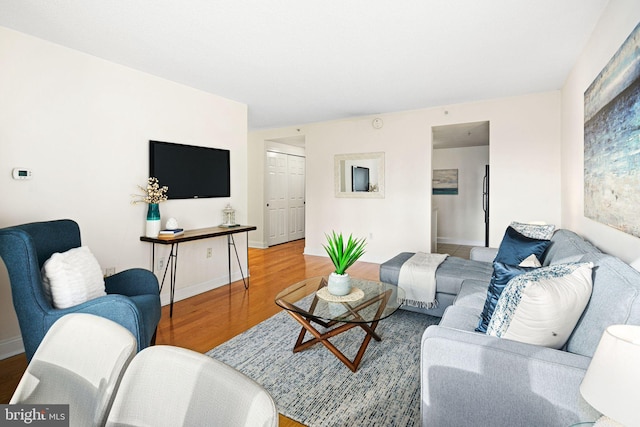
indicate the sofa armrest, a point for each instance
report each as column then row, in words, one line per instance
column 479, row 253
column 468, row 378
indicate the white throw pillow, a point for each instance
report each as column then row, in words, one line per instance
column 73, row 277
column 544, row 305
column 530, row 261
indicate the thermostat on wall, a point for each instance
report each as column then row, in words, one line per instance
column 21, row 173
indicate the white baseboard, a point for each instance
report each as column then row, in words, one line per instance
column 258, row 244
column 11, row 347
column 198, row 288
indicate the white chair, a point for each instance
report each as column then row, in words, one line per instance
column 172, row 386
column 80, row 362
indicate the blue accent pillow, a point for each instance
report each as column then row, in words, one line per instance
column 502, row 273
column 516, row 247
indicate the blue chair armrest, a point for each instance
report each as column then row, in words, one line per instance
column 118, row 308
column 135, row 281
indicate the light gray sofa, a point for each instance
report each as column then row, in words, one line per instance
column 472, row 379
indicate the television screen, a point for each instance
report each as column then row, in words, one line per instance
column 359, row 178
column 189, row 171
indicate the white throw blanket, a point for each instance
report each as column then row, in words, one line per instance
column 418, row 279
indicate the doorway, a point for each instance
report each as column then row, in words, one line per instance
column 285, row 172
column 460, row 156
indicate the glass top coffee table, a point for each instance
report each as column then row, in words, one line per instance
column 368, row 303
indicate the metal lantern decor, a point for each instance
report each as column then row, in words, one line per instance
column 229, row 216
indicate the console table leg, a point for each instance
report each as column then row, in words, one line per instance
column 231, row 242
column 174, row 267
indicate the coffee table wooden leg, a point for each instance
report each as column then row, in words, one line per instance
column 324, row 337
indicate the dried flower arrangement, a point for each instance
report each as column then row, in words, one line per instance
column 153, row 193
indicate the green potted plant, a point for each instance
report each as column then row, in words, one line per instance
column 343, row 254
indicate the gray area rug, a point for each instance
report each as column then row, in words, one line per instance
column 314, row 388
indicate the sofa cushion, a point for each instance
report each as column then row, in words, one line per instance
column 449, row 275
column 459, row 317
column 535, row 231
column 615, row 300
column 542, row 306
column 502, row 274
column 453, row 271
column 516, row 247
column 566, row 246
column 472, row 294
column 390, row 270
column 72, row 277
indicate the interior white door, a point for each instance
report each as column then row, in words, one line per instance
column 276, row 198
column 296, row 177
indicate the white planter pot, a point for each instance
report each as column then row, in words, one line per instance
column 339, row 284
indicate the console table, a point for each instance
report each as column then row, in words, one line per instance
column 197, row 234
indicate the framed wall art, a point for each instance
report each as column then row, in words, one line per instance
column 612, row 141
column 445, row 181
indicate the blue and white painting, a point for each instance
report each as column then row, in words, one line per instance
column 445, row 181
column 612, row 141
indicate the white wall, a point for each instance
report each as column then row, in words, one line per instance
column 525, row 161
column 615, row 25
column 460, row 216
column 82, row 125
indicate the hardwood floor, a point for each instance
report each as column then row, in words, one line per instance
column 209, row 319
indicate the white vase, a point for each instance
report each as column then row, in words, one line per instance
column 153, row 228
column 339, row 284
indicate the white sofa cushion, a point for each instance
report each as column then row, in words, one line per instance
column 72, row 277
column 543, row 306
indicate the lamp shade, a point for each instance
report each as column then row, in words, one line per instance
column 611, row 382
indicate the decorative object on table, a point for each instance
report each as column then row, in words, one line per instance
column 172, row 224
column 354, row 294
column 168, row 234
column 611, row 382
column 153, row 195
column 229, row 216
column 343, row 254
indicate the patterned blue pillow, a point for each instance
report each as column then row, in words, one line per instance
column 516, row 247
column 502, row 273
column 543, row 306
column 536, row 231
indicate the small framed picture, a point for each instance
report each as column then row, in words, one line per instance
column 445, row 181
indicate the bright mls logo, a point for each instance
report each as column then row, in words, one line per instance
column 34, row 415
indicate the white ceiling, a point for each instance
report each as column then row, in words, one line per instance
column 302, row 61
column 460, row 135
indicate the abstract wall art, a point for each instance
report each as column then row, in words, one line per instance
column 445, row 181
column 612, row 141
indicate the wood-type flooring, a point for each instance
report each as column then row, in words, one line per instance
column 206, row 320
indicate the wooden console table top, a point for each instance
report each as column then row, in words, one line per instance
column 200, row 233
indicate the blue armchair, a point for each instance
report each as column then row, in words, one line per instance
column 132, row 300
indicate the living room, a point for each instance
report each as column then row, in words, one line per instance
column 82, row 124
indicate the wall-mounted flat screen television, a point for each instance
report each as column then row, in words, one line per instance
column 190, row 172
column 359, row 178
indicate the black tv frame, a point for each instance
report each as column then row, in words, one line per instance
column 191, row 171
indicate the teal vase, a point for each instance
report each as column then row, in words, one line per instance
column 153, row 220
